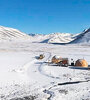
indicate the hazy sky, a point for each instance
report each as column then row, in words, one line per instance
column 45, row 16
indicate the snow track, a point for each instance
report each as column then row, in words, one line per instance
column 35, row 67
column 40, row 68
column 24, row 69
column 25, row 76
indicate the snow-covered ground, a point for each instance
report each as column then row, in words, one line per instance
column 23, row 77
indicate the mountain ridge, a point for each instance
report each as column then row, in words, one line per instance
column 11, row 34
column 83, row 37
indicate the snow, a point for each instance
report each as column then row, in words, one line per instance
column 22, row 75
column 11, row 34
column 61, row 38
column 53, row 38
column 83, row 38
column 80, row 38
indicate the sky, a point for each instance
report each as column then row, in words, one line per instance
column 45, row 16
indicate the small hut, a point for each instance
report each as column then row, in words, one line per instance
column 60, row 61
column 81, row 63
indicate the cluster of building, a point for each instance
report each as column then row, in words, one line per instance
column 65, row 61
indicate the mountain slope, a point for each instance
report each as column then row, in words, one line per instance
column 53, row 38
column 61, row 38
column 84, row 37
column 11, row 34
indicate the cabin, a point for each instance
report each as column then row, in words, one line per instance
column 60, row 61
column 56, row 59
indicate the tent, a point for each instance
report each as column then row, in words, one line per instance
column 81, row 63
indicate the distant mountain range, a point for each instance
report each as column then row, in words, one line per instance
column 54, row 38
column 14, row 34
column 65, row 38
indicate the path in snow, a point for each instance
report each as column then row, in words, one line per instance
column 36, row 73
column 34, row 70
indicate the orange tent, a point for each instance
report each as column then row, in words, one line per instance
column 81, row 63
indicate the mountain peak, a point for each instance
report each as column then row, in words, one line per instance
column 84, row 37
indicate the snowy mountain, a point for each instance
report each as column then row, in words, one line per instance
column 53, row 38
column 83, row 37
column 61, row 38
column 12, row 34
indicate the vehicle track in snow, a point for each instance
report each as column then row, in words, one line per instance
column 40, row 68
column 43, row 65
column 28, row 66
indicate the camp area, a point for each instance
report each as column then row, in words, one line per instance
column 65, row 62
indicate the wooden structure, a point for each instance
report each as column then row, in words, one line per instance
column 56, row 59
column 59, row 61
column 63, row 62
